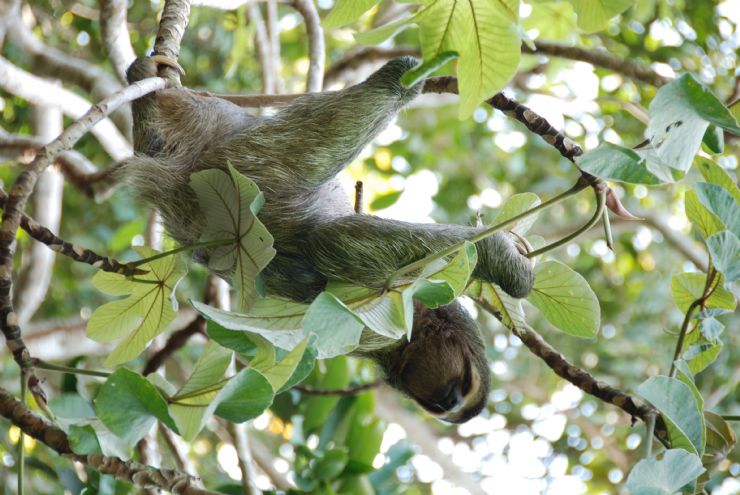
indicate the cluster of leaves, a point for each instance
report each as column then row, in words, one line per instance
column 484, row 34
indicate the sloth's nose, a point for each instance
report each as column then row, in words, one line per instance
column 452, row 396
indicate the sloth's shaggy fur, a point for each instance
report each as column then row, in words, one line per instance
column 294, row 157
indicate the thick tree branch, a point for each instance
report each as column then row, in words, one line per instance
column 175, row 17
column 116, row 39
column 38, row 261
column 316, row 50
column 23, row 187
column 51, row 62
column 40, row 92
column 137, row 474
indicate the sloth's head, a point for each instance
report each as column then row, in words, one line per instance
column 444, row 367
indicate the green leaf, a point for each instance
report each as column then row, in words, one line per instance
column 331, row 464
column 382, row 33
column 484, row 33
column 424, row 70
column 516, row 204
column 195, row 402
column 232, row 339
column 338, row 329
column 507, row 309
column 714, row 139
column 610, row 161
column 664, row 476
column 302, row 369
column 385, row 200
column 700, row 352
column 715, row 174
column 688, row 287
column 719, row 201
column 679, row 116
column 277, row 320
column 347, row 11
column 725, row 250
column 705, row 221
column 83, row 440
column 231, row 202
column 71, row 406
column 593, row 15
column 384, row 314
column 245, row 396
column 678, row 407
column 711, row 329
column 565, row 299
column 721, row 440
column 128, row 405
column 279, row 373
column 150, row 307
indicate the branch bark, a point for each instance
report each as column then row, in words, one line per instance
column 116, row 38
column 35, row 90
column 137, row 474
column 38, row 261
column 316, row 50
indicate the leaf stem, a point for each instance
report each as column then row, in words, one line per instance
column 601, row 199
column 650, row 427
column 708, row 290
column 188, row 247
column 22, row 437
column 578, row 187
column 38, row 363
column 205, row 390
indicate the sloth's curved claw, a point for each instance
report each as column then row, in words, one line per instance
column 523, row 245
column 167, row 61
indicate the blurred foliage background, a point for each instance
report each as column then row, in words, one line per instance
column 538, row 434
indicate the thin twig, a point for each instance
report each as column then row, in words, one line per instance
column 262, row 43
column 316, row 50
column 176, row 341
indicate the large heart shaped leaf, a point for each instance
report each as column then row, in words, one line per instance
column 150, row 307
column 664, row 476
column 231, row 202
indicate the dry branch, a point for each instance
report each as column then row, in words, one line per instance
column 316, row 50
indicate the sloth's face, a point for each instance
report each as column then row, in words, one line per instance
column 444, row 367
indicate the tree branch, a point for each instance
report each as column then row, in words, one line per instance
column 262, row 44
column 39, row 92
column 116, row 39
column 602, row 58
column 316, row 50
column 580, row 377
column 175, row 17
column 22, row 188
column 139, row 475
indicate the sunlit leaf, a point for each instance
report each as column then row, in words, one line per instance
column 129, row 405
column 554, row 21
column 193, row 404
column 664, row 476
column 385, row 200
column 705, row 221
column 516, row 204
column 688, row 287
column 484, row 34
column 382, row 33
column 719, row 201
column 279, row 373
column 725, row 250
column 506, row 309
column 347, row 11
column 679, row 116
column 150, row 307
column 593, row 15
column 565, row 299
column 715, row 174
column 678, row 408
column 231, row 202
